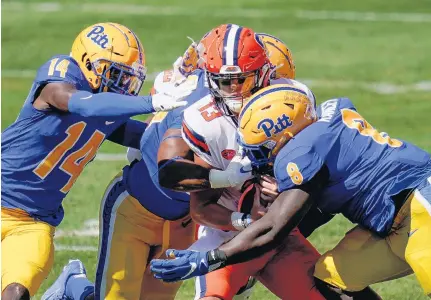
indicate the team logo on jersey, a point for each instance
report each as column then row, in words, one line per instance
column 98, row 37
column 270, row 127
column 228, row 154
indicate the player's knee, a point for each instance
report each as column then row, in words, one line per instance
column 331, row 292
column 15, row 291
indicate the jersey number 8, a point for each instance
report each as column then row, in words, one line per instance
column 354, row 120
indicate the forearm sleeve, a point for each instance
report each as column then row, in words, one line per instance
column 109, row 105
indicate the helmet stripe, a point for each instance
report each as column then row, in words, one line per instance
column 230, row 44
column 275, row 89
column 281, row 51
column 235, row 47
column 140, row 48
column 120, row 30
column 225, row 38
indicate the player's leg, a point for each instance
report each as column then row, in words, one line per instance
column 359, row 260
column 123, row 252
column 412, row 241
column 223, row 284
column 27, row 253
column 289, row 274
column 178, row 234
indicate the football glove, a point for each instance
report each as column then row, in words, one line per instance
column 187, row 264
column 173, row 97
column 237, row 172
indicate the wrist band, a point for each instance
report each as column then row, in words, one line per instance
column 216, row 259
column 240, row 221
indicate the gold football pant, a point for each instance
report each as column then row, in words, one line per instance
column 27, row 249
column 130, row 236
column 361, row 258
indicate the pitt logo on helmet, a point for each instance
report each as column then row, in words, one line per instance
column 98, row 37
column 272, row 128
column 272, row 117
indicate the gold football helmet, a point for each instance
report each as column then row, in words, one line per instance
column 279, row 56
column 271, row 118
column 111, row 58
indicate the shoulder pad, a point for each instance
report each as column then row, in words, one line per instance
column 162, row 80
column 61, row 68
column 200, row 116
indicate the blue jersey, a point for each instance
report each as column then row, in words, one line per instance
column 141, row 178
column 366, row 168
column 44, row 151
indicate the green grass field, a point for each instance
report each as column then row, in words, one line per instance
column 375, row 52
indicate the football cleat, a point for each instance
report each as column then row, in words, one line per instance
column 57, row 291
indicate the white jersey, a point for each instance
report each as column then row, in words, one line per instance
column 212, row 136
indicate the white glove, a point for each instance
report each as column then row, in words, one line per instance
column 237, row 172
column 133, row 154
column 173, row 97
column 178, row 76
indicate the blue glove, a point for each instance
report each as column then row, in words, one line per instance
column 187, row 264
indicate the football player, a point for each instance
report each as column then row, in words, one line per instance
column 237, row 65
column 75, row 103
column 139, row 219
column 339, row 161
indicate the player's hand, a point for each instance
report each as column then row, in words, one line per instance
column 237, row 172
column 184, row 265
column 268, row 189
column 258, row 209
column 173, row 97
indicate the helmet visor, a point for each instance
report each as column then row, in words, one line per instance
column 234, row 85
column 123, row 79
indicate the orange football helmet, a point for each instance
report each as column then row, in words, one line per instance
column 236, row 64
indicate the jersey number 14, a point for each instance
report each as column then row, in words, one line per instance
column 75, row 162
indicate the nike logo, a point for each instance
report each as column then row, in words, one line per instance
column 193, row 267
column 186, row 223
column 88, row 97
column 109, row 123
column 242, row 170
column 409, row 234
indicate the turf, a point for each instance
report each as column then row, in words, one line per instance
column 341, row 57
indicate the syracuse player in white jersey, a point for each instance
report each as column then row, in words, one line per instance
column 237, row 66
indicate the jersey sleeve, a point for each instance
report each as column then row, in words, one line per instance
column 161, row 81
column 196, row 142
column 61, row 68
column 296, row 167
column 203, row 137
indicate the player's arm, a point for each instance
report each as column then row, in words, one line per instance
column 284, row 214
column 129, row 134
column 65, row 97
column 177, row 170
